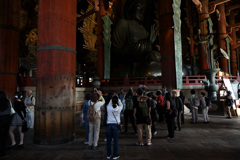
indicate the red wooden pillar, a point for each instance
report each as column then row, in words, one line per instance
column 204, row 31
column 233, row 57
column 9, row 45
column 56, row 71
column 222, row 35
column 100, row 44
column 166, row 40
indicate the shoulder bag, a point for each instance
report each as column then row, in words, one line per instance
column 12, row 111
column 119, row 124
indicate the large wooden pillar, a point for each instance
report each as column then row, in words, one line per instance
column 9, row 45
column 170, row 43
column 203, row 25
column 233, row 57
column 100, row 44
column 56, row 71
column 222, row 35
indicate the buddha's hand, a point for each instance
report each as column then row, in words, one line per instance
column 154, row 32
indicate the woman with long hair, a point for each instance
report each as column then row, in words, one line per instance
column 113, row 119
column 5, row 119
column 169, row 118
column 18, row 118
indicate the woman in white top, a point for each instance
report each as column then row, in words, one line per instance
column 94, row 127
column 113, row 119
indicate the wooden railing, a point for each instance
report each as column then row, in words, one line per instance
column 148, row 81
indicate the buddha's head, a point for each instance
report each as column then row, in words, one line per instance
column 135, row 9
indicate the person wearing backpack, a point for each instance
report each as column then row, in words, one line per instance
column 114, row 109
column 204, row 107
column 229, row 104
column 128, row 113
column 170, row 115
column 142, row 110
column 194, row 104
column 179, row 105
column 94, row 118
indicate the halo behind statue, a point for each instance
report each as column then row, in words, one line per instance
column 224, row 53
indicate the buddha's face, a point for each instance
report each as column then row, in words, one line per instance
column 138, row 11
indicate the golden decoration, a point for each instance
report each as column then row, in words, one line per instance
column 89, row 30
column 32, row 38
column 31, row 42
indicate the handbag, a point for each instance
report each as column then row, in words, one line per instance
column 12, row 111
column 119, row 124
column 24, row 126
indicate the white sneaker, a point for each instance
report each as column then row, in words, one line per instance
column 116, row 157
column 149, row 144
column 109, row 157
column 155, row 133
column 86, row 142
column 105, row 139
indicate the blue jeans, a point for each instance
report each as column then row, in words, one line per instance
column 86, row 124
column 112, row 132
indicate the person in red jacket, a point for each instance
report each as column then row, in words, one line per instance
column 160, row 105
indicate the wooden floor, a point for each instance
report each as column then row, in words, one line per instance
column 218, row 140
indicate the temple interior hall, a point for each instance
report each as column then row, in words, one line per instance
column 63, row 50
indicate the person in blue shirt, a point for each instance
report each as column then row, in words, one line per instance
column 84, row 111
column 121, row 94
column 164, row 91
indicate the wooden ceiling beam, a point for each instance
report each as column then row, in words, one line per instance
column 231, row 7
column 214, row 4
column 198, row 5
column 236, row 46
column 236, row 25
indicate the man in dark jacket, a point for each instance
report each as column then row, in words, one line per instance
column 183, row 101
column 179, row 105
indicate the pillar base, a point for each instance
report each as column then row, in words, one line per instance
column 53, row 142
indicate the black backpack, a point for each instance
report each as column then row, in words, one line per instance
column 143, row 107
column 229, row 102
column 208, row 102
column 129, row 104
column 196, row 102
column 174, row 112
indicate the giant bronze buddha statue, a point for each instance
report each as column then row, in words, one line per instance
column 132, row 53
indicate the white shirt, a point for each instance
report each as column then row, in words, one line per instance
column 30, row 100
column 98, row 106
column 116, row 111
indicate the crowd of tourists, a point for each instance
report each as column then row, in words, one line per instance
column 143, row 108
